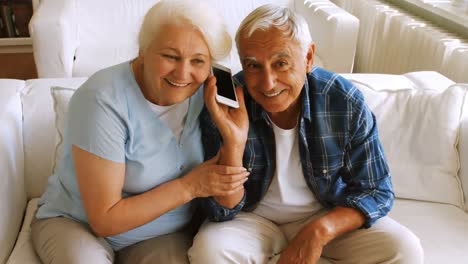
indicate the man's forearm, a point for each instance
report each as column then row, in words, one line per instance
column 231, row 156
column 338, row 221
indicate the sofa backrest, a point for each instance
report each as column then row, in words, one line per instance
column 96, row 37
column 73, row 38
column 96, row 32
column 12, row 192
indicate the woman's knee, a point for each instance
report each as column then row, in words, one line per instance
column 62, row 240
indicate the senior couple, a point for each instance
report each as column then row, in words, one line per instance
column 296, row 174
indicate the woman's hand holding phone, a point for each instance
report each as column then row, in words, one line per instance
column 232, row 123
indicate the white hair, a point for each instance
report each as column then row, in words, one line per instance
column 196, row 13
column 267, row 16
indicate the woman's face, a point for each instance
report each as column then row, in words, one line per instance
column 175, row 64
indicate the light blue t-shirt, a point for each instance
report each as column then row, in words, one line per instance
column 109, row 117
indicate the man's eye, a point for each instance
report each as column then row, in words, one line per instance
column 252, row 66
column 282, row 64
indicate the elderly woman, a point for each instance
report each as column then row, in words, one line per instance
column 132, row 162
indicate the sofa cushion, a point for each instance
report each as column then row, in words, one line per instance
column 442, row 229
column 12, row 194
column 438, row 81
column 419, row 128
column 61, row 97
column 39, row 131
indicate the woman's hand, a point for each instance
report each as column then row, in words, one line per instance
column 210, row 179
column 232, row 123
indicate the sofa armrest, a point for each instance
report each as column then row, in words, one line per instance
column 334, row 31
column 54, row 30
column 463, row 149
column 12, row 192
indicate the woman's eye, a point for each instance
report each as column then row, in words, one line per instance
column 170, row 57
column 198, row 61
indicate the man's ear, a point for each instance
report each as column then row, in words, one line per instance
column 310, row 57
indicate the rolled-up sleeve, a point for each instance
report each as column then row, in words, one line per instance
column 369, row 188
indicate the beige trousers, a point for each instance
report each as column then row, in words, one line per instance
column 250, row 238
column 61, row 240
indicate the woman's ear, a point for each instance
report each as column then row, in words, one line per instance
column 310, row 57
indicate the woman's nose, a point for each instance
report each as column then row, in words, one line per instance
column 182, row 70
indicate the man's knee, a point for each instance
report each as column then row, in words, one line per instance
column 208, row 246
column 405, row 247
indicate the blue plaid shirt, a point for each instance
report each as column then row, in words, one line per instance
column 341, row 155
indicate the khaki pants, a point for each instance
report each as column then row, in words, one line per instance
column 62, row 240
column 250, row 238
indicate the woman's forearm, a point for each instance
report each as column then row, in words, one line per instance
column 132, row 212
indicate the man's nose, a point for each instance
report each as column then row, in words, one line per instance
column 269, row 79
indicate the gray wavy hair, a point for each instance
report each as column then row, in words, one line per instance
column 267, row 16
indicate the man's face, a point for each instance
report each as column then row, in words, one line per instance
column 275, row 69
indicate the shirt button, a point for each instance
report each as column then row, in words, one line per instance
column 324, row 171
column 181, row 167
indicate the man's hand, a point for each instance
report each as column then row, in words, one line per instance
column 305, row 248
column 307, row 245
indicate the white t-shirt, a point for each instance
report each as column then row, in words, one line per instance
column 288, row 198
column 173, row 116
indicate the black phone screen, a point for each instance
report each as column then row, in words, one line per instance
column 224, row 83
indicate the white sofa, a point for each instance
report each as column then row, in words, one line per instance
column 425, row 169
column 68, row 35
column 422, row 119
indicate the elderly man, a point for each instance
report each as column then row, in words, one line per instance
column 319, row 188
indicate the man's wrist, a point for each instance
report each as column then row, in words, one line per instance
column 336, row 222
column 321, row 232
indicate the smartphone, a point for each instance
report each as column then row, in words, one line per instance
column 226, row 89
